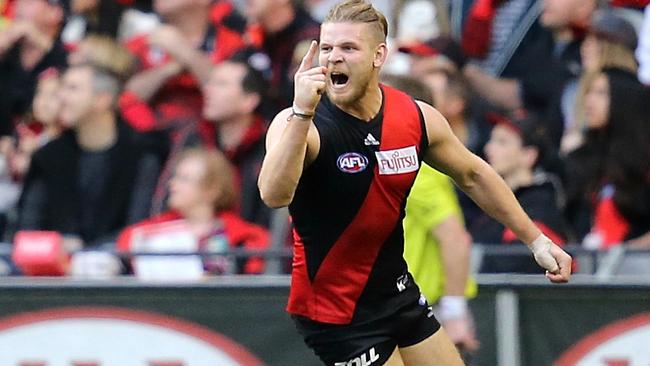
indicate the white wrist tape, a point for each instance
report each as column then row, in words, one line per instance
column 541, row 248
column 452, row 307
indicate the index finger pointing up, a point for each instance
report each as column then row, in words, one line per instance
column 308, row 60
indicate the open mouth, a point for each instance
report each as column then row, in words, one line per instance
column 339, row 80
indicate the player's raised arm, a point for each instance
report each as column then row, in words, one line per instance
column 292, row 140
column 489, row 191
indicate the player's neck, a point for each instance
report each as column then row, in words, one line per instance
column 366, row 107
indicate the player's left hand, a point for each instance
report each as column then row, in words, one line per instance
column 552, row 258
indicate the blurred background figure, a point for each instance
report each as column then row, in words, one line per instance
column 28, row 45
column 541, row 68
column 283, row 30
column 606, row 178
column 40, row 126
column 233, row 101
column 175, row 59
column 202, row 197
column 517, row 150
column 610, row 42
column 436, row 244
column 95, row 178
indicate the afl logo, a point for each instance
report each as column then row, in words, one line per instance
column 352, row 162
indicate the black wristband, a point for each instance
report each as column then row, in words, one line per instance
column 304, row 116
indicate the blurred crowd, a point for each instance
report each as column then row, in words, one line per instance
column 138, row 126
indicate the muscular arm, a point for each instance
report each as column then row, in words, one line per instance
column 455, row 245
column 292, row 142
column 489, row 191
column 290, row 145
column 147, row 83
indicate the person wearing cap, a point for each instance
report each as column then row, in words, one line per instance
column 28, row 46
column 517, row 151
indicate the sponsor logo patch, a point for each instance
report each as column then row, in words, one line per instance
column 370, row 140
column 365, row 359
column 352, row 162
column 398, row 161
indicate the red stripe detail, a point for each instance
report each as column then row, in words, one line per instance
column 343, row 274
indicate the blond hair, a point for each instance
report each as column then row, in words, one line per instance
column 613, row 54
column 218, row 174
column 359, row 11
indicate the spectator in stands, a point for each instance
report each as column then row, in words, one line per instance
column 610, row 42
column 202, row 198
column 41, row 127
column 283, row 30
column 607, row 178
column 436, row 244
column 28, row 46
column 539, row 83
column 175, row 60
column 233, row 96
column 516, row 150
column 95, row 178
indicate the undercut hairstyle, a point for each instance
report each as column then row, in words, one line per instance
column 359, row 11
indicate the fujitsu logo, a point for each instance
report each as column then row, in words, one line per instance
column 398, row 161
column 365, row 359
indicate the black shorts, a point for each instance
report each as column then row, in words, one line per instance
column 370, row 342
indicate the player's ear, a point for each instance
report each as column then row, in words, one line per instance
column 380, row 55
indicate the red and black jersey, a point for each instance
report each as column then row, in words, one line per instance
column 347, row 212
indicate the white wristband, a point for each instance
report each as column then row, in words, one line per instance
column 452, row 307
column 541, row 248
column 541, row 244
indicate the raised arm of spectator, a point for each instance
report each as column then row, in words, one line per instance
column 23, row 30
column 505, row 93
column 192, row 59
column 489, row 191
column 147, row 83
